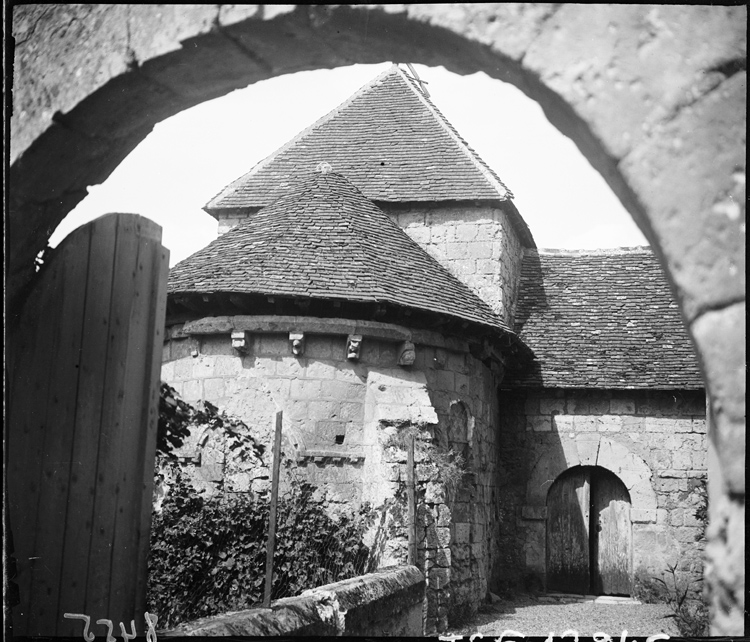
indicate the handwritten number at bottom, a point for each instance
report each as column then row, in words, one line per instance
column 89, row 637
column 109, row 629
column 125, row 635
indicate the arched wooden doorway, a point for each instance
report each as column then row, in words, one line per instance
column 589, row 534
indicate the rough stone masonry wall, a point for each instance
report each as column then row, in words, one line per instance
column 654, row 441
column 447, row 392
column 465, row 400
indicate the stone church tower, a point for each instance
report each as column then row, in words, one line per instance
column 395, row 146
column 374, row 275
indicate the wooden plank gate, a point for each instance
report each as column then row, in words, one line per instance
column 83, row 387
column 589, row 534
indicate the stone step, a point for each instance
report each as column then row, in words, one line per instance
column 587, row 599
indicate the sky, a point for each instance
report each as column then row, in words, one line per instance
column 190, row 157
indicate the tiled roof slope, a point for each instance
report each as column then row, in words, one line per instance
column 602, row 319
column 388, row 139
column 324, row 239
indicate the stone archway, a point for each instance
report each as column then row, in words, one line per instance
column 606, row 453
column 654, row 96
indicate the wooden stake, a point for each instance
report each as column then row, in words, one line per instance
column 271, row 545
column 411, row 508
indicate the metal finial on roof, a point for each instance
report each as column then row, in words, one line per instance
column 421, row 82
column 323, row 167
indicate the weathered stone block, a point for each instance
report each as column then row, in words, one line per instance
column 643, row 516
column 217, row 345
column 483, row 249
column 213, row 389
column 183, row 368
column 318, row 347
column 465, row 232
column 167, row 371
column 551, row 406
column 539, row 423
column 273, row 345
column 487, row 267
column 698, row 459
column 320, row 369
column 458, row 250
column 227, row 366
column 622, row 406
column 585, row 423
column 578, row 406
column 598, row 406
column 682, row 425
column 305, row 389
column 181, row 348
column 445, row 380
column 264, row 367
column 461, row 533
column 681, row 459
column 609, row 423
column 563, row 423
column 192, row 390
column 318, row 410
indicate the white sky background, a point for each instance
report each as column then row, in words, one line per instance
column 189, row 158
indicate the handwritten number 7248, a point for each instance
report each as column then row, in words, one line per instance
column 89, row 637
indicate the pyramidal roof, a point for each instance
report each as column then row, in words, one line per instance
column 324, row 239
column 388, row 139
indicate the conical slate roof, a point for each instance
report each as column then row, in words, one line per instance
column 388, row 139
column 323, row 239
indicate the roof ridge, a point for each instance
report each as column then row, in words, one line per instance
column 471, row 154
column 293, row 141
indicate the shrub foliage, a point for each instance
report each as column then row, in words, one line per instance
column 208, row 554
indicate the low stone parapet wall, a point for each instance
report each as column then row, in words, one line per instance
column 387, row 602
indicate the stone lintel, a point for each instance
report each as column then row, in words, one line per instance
column 272, row 324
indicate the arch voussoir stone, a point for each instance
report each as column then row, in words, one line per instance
column 593, row 450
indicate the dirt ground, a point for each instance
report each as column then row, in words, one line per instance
column 531, row 616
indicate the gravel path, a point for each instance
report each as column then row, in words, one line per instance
column 532, row 617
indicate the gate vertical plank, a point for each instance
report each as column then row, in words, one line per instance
column 27, row 419
column 114, row 413
column 52, row 510
column 159, row 309
column 140, row 415
column 91, row 392
column 568, row 532
column 612, row 556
